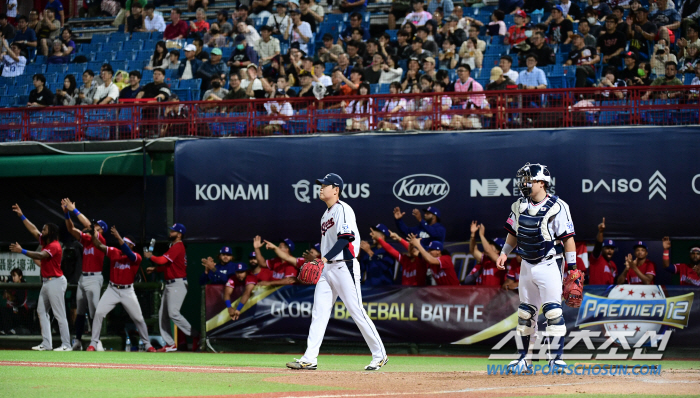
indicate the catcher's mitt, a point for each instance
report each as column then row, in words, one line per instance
column 573, row 289
column 310, row 272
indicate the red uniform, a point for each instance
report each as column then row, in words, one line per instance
column 444, row 273
column 93, row 258
column 413, row 269
column 281, row 269
column 51, row 267
column 234, row 282
column 487, row 273
column 513, row 269
column 176, row 267
column 300, row 262
column 688, row 275
column 516, row 35
column 602, row 272
column 265, row 274
column 648, row 268
column 122, row 270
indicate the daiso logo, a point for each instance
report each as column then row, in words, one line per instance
column 421, row 189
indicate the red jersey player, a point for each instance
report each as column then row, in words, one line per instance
column 602, row 270
column 690, row 273
column 241, row 280
column 283, row 272
column 513, row 273
column 413, row 266
column 639, row 271
column 485, row 272
column 440, row 264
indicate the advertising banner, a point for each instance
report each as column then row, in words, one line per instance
column 457, row 315
column 645, row 182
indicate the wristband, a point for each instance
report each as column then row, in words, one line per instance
column 240, row 306
column 67, row 216
column 22, row 217
column 228, row 303
column 570, row 257
column 76, row 212
column 506, row 249
column 24, row 251
column 666, row 254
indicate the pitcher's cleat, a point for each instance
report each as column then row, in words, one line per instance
column 298, row 364
column 376, row 365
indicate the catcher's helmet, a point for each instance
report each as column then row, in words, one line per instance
column 529, row 173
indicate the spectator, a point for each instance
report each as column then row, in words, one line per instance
column 24, row 36
column 338, row 89
column 199, row 53
column 158, row 90
column 7, row 30
column 585, row 59
column 299, row 31
column 284, row 85
column 542, row 52
column 584, row 29
column 451, row 31
column 235, row 92
column 134, row 87
column 68, row 45
column 560, row 28
column 225, row 27
column 413, row 266
column 403, row 45
column 319, row 77
column 630, row 72
column 15, row 312
column 13, row 60
column 371, row 48
column 443, row 76
column 41, row 96
column 412, row 76
column 11, row 6
column 375, row 261
column 470, row 55
column 669, row 79
column 465, row 83
column 571, row 10
column 446, row 121
column 666, row 19
column 242, row 15
column 429, row 67
column 644, row 75
column 418, row 51
column 159, row 59
column 86, row 92
column 611, row 43
column 134, row 22
column 243, row 54
column 126, row 11
column 188, row 68
column 57, row 8
column 641, row 31
column 56, row 55
column 485, row 272
column 90, row 9
column 619, row 14
column 218, row 273
column 640, row 270
column 214, row 38
column 532, row 78
column 662, row 54
column 474, row 33
column 429, row 226
column 505, row 64
column 49, row 28
column 594, row 24
column 438, row 260
column 449, row 59
column 199, row 26
column 275, row 108
column 309, row 16
column 355, row 52
column 496, row 27
column 280, row 21
column 252, row 84
column 212, row 68
column 609, row 80
column 499, row 80
column 251, row 35
column 362, row 106
column 66, row 96
column 418, row 17
column 689, row 273
column 174, row 60
column 691, row 38
column 394, row 105
column 428, row 45
column 602, row 9
column 261, row 8
column 193, row 5
column 154, row 22
column 690, row 13
column 350, row 6
column 121, row 80
column 267, row 47
column 602, row 270
column 399, row 9
column 178, row 28
column 689, row 62
column 517, row 33
column 329, row 52
column 108, row 92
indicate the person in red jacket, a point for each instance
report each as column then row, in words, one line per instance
column 413, row 266
column 284, row 271
column 513, row 273
column 241, row 285
column 440, row 264
column 638, row 271
column 485, row 272
column 602, row 270
column 174, row 264
column 690, row 273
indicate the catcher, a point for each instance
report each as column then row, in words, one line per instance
column 538, row 225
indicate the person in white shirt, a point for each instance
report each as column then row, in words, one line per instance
column 319, row 69
column 279, row 22
column 108, row 92
column 275, row 108
column 153, row 22
column 12, row 59
column 251, row 35
column 267, row 47
column 394, row 105
column 12, row 11
column 299, row 31
column 419, row 16
column 505, row 63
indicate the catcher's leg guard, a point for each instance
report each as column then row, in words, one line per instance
column 556, row 327
column 527, row 317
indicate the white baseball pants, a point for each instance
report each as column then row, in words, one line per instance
column 128, row 300
column 540, row 283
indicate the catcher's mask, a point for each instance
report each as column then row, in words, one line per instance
column 529, row 173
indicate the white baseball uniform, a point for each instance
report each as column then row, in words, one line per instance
column 340, row 277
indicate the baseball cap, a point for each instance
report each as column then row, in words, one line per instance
column 435, row 245
column 317, row 246
column 252, row 255
column 128, row 239
column 295, row 2
column 103, row 225
column 520, row 13
column 559, row 8
column 499, row 241
column 190, row 47
column 304, row 73
column 239, row 38
column 289, row 243
column 643, row 9
column 177, row 227
column 496, row 72
column 417, row 40
column 608, row 243
column 240, row 267
column 331, row 179
column 226, row 250
column 294, row 11
column 327, row 36
column 381, row 228
column 434, row 210
column 630, row 54
column 223, row 12
column 216, row 51
column 430, row 59
column 640, row 244
column 450, row 18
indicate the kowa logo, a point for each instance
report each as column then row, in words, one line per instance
column 657, row 185
column 302, row 191
column 491, row 187
column 421, row 189
column 232, row 192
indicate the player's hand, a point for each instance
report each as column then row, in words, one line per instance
column 482, row 229
column 501, row 261
column 666, row 242
column 474, row 227
column 235, row 315
column 398, row 214
column 257, row 242
column 414, row 240
column 68, row 204
column 628, row 261
column 15, row 248
column 147, row 254
column 209, row 263
column 150, row 270
column 417, row 214
column 601, row 226
column 17, row 210
column 269, row 245
column 231, row 312
column 364, row 245
column 115, row 233
column 308, row 256
column 394, row 236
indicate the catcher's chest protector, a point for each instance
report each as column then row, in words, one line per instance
column 534, row 238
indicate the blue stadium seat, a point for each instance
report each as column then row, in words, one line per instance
column 53, row 77
column 393, row 34
column 136, row 65
column 23, row 89
column 226, row 53
column 90, row 48
column 384, row 88
column 329, row 68
column 57, row 68
column 184, row 94
column 99, row 38
column 144, row 54
column 40, row 59
column 190, row 84
column 33, row 69
column 688, row 78
column 334, row 18
column 7, row 101
column 157, row 36
column 143, row 36
column 95, row 66
column 76, row 69
column 117, row 65
column 115, row 37
column 125, row 55
column 133, row 45
column 3, row 90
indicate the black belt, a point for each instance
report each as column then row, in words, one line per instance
column 339, row 261
column 169, row 281
column 91, row 273
column 120, row 286
column 551, row 256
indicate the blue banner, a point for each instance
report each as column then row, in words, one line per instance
column 646, row 182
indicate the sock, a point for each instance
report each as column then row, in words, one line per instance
column 559, row 352
column 79, row 326
column 526, row 344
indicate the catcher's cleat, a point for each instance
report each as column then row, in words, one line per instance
column 376, row 365
column 519, row 366
column 298, row 364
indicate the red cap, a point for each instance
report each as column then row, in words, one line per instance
column 521, row 13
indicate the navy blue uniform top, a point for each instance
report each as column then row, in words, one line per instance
column 220, row 276
column 423, row 230
column 379, row 268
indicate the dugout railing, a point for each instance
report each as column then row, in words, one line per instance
column 487, row 110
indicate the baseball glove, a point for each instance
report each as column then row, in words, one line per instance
column 311, row 272
column 573, row 289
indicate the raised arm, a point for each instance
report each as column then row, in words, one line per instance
column 281, row 254
column 70, row 206
column 473, row 250
column 489, row 251
column 415, row 241
column 599, row 239
column 666, row 260
column 392, row 252
column 16, row 248
column 123, row 245
column 27, row 224
column 96, row 241
column 257, row 244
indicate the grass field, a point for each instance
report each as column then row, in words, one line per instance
column 28, row 374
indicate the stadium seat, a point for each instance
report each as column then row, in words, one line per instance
column 121, row 37
column 125, row 55
column 99, row 38
column 384, row 88
column 76, row 69
column 3, row 90
column 53, row 77
column 183, row 94
column 143, row 36
column 7, row 101
column 392, row 34
column 132, row 45
column 147, row 74
column 61, row 69
column 33, row 69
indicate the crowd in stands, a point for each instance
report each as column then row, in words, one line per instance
column 299, row 48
